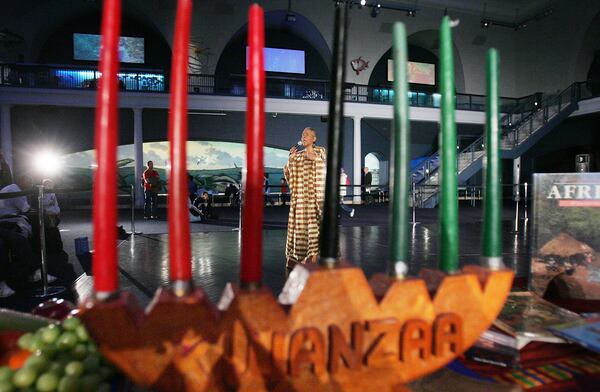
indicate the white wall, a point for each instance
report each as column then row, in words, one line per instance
column 549, row 50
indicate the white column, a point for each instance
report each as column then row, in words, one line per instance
column 516, row 178
column 357, row 159
column 138, row 148
column 6, row 135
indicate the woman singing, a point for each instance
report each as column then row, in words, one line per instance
column 305, row 174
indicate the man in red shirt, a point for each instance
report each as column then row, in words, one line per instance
column 151, row 188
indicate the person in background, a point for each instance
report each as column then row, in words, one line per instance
column 50, row 202
column 343, row 191
column 192, row 187
column 25, row 182
column 5, row 172
column 232, row 194
column 205, row 207
column 15, row 236
column 151, row 188
column 305, row 175
column 367, row 179
column 267, row 190
column 285, row 197
column 54, row 242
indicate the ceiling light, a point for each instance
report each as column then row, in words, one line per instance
column 412, row 13
column 363, row 2
column 485, row 23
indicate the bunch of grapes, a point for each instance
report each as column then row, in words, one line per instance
column 63, row 359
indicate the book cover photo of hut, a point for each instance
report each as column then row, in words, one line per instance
column 565, row 254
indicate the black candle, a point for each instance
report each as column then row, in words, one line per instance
column 329, row 226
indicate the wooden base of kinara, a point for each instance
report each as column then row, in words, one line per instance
column 343, row 333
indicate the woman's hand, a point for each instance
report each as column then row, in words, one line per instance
column 293, row 150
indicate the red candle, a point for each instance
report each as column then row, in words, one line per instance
column 105, row 184
column 179, row 228
column 252, row 211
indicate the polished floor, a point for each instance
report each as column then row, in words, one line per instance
column 364, row 241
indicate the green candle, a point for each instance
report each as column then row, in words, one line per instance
column 448, row 177
column 400, row 156
column 492, row 224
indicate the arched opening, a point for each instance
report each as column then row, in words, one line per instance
column 423, row 47
column 425, row 59
column 379, row 168
column 59, row 46
column 280, row 33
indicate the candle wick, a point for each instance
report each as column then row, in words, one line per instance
column 454, row 23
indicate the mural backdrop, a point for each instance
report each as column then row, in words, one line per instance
column 213, row 165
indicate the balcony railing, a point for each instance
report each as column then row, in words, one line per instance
column 145, row 80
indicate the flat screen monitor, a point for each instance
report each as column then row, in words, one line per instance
column 87, row 47
column 419, row 73
column 283, row 60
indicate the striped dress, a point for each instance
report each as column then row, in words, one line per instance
column 306, row 179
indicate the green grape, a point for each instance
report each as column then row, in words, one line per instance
column 5, row 373
column 92, row 348
column 36, row 343
column 39, row 363
column 80, row 351
column 104, row 387
column 50, row 334
column 63, row 357
column 47, row 382
column 25, row 341
column 56, row 368
column 6, row 386
column 74, row 368
column 66, row 341
column 91, row 363
column 68, row 384
column 48, row 351
column 82, row 333
column 24, row 377
column 71, row 323
column 89, row 383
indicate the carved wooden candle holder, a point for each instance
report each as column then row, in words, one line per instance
column 338, row 335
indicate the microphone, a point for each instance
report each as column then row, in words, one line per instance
column 300, row 146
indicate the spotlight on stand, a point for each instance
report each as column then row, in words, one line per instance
column 363, row 2
column 485, row 23
column 47, row 162
column 411, row 13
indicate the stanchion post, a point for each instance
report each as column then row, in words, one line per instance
column 517, row 215
column 239, row 228
column 45, row 291
column 132, row 198
column 43, row 254
column 414, row 203
column 525, row 203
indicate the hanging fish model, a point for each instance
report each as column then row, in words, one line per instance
column 359, row 65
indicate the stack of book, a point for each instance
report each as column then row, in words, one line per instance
column 525, row 318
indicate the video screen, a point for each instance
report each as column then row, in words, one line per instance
column 419, row 73
column 282, row 60
column 87, row 47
